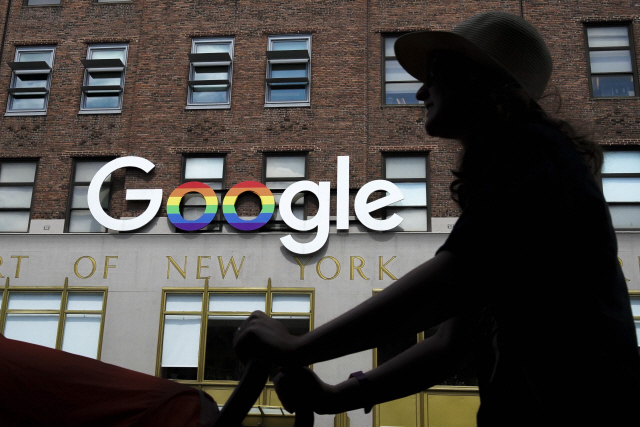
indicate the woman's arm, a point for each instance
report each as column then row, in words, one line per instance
column 420, row 367
column 425, row 297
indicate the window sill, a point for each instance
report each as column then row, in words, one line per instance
column 25, row 113
column 402, row 106
column 609, row 98
column 84, row 112
column 208, row 107
column 297, row 104
column 42, row 5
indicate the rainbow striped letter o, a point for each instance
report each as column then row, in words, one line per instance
column 229, row 208
column 173, row 206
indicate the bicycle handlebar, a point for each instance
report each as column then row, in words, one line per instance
column 254, row 377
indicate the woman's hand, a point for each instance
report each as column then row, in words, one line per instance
column 262, row 337
column 300, row 389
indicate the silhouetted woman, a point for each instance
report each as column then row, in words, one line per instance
column 527, row 285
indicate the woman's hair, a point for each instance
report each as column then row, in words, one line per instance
column 512, row 106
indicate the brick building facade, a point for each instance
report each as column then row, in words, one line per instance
column 345, row 113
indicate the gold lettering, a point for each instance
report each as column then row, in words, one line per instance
column 302, row 266
column 107, row 266
column 183, row 272
column 382, row 268
column 232, row 263
column 337, row 268
column 19, row 261
column 200, row 267
column 359, row 268
column 2, row 277
column 93, row 267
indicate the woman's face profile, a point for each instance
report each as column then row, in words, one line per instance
column 452, row 95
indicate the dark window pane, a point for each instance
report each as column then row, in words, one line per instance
column 97, row 101
column 179, row 373
column 209, row 94
column 402, row 93
column 31, row 80
column 288, row 70
column 37, row 2
column 220, row 361
column 211, row 73
column 27, row 102
column 283, row 93
column 105, row 79
column 613, row 86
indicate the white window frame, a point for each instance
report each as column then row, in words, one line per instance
column 204, row 313
column 75, row 184
column 10, row 184
column 50, row 3
column 63, row 311
column 391, row 56
column 621, row 175
column 24, row 68
column 402, row 204
column 210, row 60
column 300, row 199
column 296, row 57
column 92, row 66
column 630, row 48
column 197, row 200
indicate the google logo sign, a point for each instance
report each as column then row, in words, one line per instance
column 228, row 206
column 318, row 223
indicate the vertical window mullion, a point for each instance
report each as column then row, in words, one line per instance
column 204, row 324
column 212, row 59
column 416, row 171
column 16, row 175
column 285, row 168
column 73, row 224
column 32, row 64
column 604, row 79
column 104, row 78
column 621, row 168
column 398, row 90
column 288, row 78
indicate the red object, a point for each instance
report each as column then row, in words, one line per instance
column 40, row 386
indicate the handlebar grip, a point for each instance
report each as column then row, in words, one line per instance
column 254, row 377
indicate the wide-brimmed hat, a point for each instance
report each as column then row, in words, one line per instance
column 496, row 39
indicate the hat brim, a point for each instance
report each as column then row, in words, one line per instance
column 414, row 50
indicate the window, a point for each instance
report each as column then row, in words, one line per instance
column 399, row 86
column 185, row 356
column 70, row 319
column 611, row 60
column 30, row 81
column 621, row 187
column 409, row 173
column 210, row 73
column 288, row 71
column 79, row 219
column 457, row 397
column 103, row 79
column 635, row 310
column 17, row 178
column 210, row 171
column 41, row 2
column 280, row 171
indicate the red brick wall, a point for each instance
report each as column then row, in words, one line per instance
column 345, row 117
